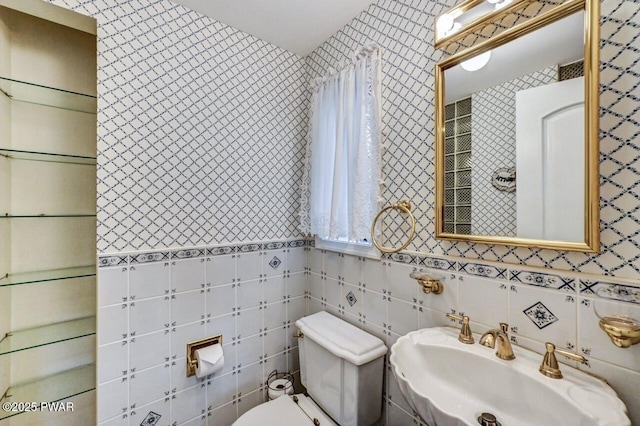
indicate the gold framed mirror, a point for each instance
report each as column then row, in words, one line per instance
column 517, row 135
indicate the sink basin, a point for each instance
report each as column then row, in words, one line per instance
column 450, row 384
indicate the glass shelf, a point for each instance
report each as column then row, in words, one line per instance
column 46, row 335
column 48, row 96
column 53, row 388
column 49, row 275
column 46, row 156
column 26, row 216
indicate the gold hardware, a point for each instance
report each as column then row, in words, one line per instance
column 192, row 347
column 549, row 366
column 489, row 339
column 429, row 284
column 465, row 335
column 298, row 335
column 403, row 206
column 623, row 331
column 316, row 422
column 591, row 242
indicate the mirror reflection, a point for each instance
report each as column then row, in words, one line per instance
column 514, row 138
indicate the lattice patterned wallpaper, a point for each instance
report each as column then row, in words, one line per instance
column 404, row 29
column 200, row 130
column 493, row 120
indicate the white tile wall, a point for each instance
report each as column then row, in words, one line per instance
column 539, row 306
column 152, row 304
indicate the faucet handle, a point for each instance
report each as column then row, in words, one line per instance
column 465, row 335
column 550, row 367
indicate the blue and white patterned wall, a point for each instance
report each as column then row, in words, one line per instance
column 404, row 29
column 200, row 130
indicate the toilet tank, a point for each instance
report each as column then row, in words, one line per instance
column 342, row 368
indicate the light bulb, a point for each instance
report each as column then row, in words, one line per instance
column 477, row 62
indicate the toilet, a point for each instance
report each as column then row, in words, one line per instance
column 341, row 367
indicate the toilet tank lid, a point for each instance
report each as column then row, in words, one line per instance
column 341, row 338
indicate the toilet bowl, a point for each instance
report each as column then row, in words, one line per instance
column 342, row 368
column 288, row 410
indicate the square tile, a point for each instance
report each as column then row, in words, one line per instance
column 149, row 350
column 113, row 399
column 179, row 379
column 274, row 262
column 249, row 294
column 402, row 316
column 187, row 274
column 316, row 261
column 221, row 390
column 493, row 308
column 296, row 259
column 401, row 285
column 149, row 385
column 188, row 404
column 543, row 315
column 374, row 308
column 113, row 323
column 332, row 264
column 275, row 315
column 249, row 266
column 249, row 350
column 249, row 378
column 296, row 284
column 221, row 300
column 156, row 414
column 113, row 361
column 149, row 315
column 113, row 285
column 275, row 341
column 296, row 309
column 274, row 288
column 249, row 322
column 374, row 275
column 221, row 270
column 224, row 415
column 187, row 307
column 149, row 280
column 352, row 269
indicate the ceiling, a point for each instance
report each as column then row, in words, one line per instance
column 299, row 26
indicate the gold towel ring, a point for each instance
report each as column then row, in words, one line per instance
column 403, row 206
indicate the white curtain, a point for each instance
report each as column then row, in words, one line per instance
column 342, row 175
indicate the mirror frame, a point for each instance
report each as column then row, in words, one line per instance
column 591, row 243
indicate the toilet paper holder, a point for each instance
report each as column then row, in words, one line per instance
column 192, row 347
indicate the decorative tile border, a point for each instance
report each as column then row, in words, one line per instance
column 481, row 270
column 400, row 257
column 115, row 260
column 187, row 254
column 436, row 263
column 611, row 291
column 149, row 257
column 218, row 251
column 539, row 279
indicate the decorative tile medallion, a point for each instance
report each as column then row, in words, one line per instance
column 149, row 257
column 540, row 315
column 275, row 262
column 483, row 270
column 435, row 263
column 351, row 298
column 151, row 419
column 187, row 254
column 544, row 280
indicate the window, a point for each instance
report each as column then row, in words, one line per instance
column 342, row 176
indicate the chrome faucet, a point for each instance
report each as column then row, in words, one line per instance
column 500, row 335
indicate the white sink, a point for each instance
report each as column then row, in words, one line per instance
column 450, row 384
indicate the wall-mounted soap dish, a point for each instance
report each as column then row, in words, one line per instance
column 623, row 331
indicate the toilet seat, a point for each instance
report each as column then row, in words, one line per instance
column 284, row 411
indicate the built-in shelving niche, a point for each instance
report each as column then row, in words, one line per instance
column 50, row 216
